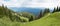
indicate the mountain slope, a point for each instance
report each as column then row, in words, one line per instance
column 8, row 14
column 48, row 20
column 35, row 11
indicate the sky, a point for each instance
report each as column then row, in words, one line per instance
column 30, row 3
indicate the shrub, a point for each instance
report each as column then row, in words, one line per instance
column 24, row 19
column 30, row 16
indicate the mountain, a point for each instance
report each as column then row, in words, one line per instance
column 50, row 19
column 14, row 16
column 9, row 14
column 34, row 11
column 11, row 18
column 47, row 20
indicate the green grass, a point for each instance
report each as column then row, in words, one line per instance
column 48, row 20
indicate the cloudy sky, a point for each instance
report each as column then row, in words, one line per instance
column 30, row 3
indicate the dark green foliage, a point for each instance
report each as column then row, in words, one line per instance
column 40, row 15
column 59, row 8
column 23, row 20
column 4, row 11
column 31, row 19
column 10, row 16
column 30, row 16
column 1, row 11
column 16, row 18
column 54, row 10
column 46, row 11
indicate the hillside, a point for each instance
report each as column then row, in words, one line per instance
column 51, row 19
column 48, row 20
column 11, row 18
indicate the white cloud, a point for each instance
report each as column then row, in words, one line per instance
column 30, row 3
column 45, row 3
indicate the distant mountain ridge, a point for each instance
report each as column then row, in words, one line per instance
column 30, row 10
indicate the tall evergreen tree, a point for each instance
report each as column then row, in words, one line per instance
column 10, row 16
column 40, row 15
column 54, row 10
column 31, row 18
column 46, row 11
column 6, row 11
column 59, row 8
column 3, row 9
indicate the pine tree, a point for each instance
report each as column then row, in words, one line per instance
column 59, row 8
column 10, row 15
column 48, row 10
column 31, row 19
column 54, row 10
column 40, row 15
column 6, row 11
column 3, row 9
column 3, row 5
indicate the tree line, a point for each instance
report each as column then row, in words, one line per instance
column 42, row 13
column 14, row 16
column 4, row 11
column 56, row 9
column 47, row 10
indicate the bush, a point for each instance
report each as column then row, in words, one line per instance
column 30, row 16
column 24, row 19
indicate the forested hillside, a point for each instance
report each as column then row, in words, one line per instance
column 45, row 18
column 14, row 16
